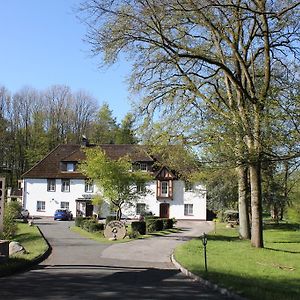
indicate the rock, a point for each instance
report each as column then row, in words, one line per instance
column 15, row 247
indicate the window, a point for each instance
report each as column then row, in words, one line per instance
column 51, row 185
column 40, row 205
column 143, row 167
column 140, row 208
column 164, row 188
column 64, row 205
column 188, row 209
column 65, row 185
column 89, row 186
column 140, row 187
column 70, row 167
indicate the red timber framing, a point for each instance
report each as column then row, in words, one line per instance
column 164, row 184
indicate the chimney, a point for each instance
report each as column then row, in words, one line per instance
column 84, row 141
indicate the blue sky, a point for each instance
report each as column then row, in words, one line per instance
column 41, row 45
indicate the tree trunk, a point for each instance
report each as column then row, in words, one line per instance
column 119, row 213
column 256, row 205
column 244, row 228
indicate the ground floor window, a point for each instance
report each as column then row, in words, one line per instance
column 64, row 205
column 140, row 208
column 40, row 206
column 188, row 209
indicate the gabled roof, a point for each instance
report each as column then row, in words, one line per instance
column 50, row 165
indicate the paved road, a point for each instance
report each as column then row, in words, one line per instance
column 79, row 268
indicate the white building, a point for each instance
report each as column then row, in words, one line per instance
column 55, row 183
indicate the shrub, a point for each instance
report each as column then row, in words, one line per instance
column 134, row 234
column 93, row 227
column 139, row 226
column 15, row 209
column 110, row 218
column 153, row 225
column 9, row 223
column 168, row 223
column 79, row 221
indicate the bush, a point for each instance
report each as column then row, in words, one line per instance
column 168, row 223
column 93, row 227
column 139, row 226
column 134, row 234
column 110, row 218
column 79, row 221
column 153, row 225
column 9, row 222
column 15, row 209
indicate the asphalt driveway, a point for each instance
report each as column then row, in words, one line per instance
column 79, row 268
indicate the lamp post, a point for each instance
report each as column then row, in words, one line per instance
column 204, row 242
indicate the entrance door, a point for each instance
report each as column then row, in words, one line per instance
column 89, row 210
column 164, row 210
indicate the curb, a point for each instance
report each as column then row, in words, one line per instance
column 206, row 283
column 31, row 264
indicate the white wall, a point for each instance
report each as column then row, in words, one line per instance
column 197, row 197
column 36, row 190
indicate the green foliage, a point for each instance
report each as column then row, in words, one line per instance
column 125, row 133
column 89, row 224
column 139, row 226
column 78, row 221
column 110, row 218
column 11, row 211
column 153, row 225
column 14, row 208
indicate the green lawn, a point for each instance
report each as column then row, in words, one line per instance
column 31, row 239
column 269, row 273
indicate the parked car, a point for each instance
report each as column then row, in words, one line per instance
column 63, row 214
column 24, row 214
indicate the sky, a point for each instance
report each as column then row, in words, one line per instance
column 42, row 45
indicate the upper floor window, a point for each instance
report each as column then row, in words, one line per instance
column 164, row 189
column 65, row 185
column 51, row 185
column 140, row 187
column 143, row 167
column 70, row 167
column 89, row 186
column 140, row 208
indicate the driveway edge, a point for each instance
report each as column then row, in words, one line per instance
column 207, row 283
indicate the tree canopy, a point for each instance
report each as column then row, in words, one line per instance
column 209, row 66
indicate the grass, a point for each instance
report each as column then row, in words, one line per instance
column 98, row 236
column 33, row 242
column 269, row 273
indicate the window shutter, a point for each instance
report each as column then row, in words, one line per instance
column 171, row 188
column 158, row 188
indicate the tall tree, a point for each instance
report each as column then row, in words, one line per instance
column 190, row 54
column 125, row 133
column 105, row 126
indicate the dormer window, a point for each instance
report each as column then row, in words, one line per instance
column 164, row 188
column 70, row 167
column 143, row 167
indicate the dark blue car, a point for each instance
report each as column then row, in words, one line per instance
column 63, row 214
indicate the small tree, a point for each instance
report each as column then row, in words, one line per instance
column 115, row 178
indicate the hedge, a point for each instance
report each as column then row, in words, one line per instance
column 109, row 218
column 90, row 225
column 157, row 224
column 139, row 226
